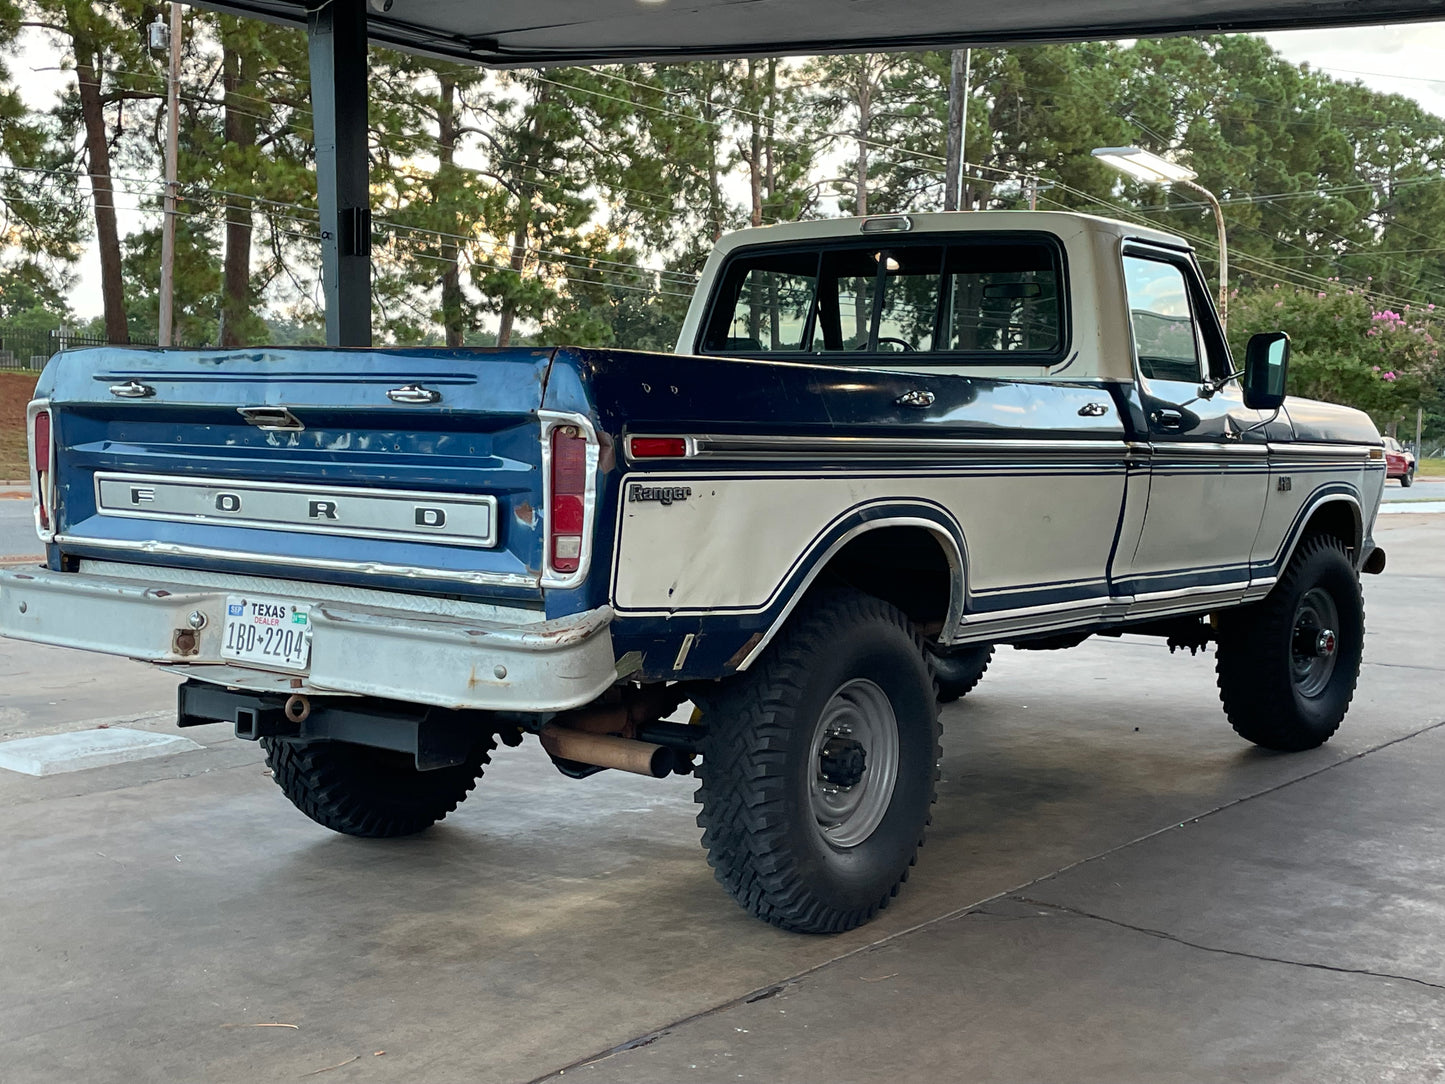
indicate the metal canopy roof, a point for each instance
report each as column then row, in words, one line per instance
column 539, row 33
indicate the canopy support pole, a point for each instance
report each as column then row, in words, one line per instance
column 336, row 38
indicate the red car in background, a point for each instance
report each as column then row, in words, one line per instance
column 1399, row 462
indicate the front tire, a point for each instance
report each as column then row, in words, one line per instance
column 819, row 766
column 1288, row 664
column 362, row 791
column 1408, row 478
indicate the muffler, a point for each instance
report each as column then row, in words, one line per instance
column 607, row 751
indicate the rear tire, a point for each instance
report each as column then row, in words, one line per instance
column 362, row 791
column 959, row 671
column 819, row 765
column 1288, row 664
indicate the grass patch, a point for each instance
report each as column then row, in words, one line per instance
column 1431, row 468
column 15, row 392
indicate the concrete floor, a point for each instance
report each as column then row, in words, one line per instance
column 1115, row 889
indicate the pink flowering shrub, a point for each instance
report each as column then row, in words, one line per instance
column 1347, row 347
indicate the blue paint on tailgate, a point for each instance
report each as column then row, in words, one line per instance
column 480, row 437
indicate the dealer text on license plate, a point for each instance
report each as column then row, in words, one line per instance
column 267, row 632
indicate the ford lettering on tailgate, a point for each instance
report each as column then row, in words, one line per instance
column 455, row 519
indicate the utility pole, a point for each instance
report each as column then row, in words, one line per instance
column 1033, row 192
column 960, row 76
column 168, row 222
column 1419, row 425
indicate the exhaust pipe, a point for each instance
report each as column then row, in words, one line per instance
column 606, row 751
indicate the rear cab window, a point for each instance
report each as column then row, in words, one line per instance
column 936, row 298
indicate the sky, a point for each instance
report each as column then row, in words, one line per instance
column 1404, row 59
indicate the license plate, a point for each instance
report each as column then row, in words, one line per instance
column 267, row 632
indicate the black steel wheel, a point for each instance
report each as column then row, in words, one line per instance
column 362, row 791
column 957, row 672
column 1287, row 665
column 819, row 767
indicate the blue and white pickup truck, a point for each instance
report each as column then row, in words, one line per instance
column 882, row 447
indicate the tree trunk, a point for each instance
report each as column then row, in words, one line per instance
column 714, row 181
column 451, row 274
column 861, row 307
column 755, row 148
column 533, row 141
column 107, row 234
column 239, row 72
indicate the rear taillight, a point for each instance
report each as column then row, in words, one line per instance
column 567, row 515
column 40, row 462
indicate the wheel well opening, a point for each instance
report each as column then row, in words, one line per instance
column 1336, row 518
column 905, row 566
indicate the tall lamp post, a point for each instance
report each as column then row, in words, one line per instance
column 1145, row 166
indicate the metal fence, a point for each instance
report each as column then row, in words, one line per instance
column 28, row 351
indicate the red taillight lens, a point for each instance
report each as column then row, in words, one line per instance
column 40, row 452
column 42, row 441
column 658, row 447
column 567, row 515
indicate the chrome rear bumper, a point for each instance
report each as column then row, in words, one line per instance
column 421, row 658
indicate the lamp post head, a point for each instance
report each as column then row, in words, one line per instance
column 1143, row 165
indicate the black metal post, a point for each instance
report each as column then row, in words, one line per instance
column 336, row 35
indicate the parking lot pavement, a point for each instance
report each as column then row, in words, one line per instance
column 1110, row 884
column 17, row 529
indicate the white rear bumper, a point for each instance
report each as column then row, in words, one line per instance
column 421, row 658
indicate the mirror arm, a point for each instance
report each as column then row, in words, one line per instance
column 1262, row 422
column 1210, row 388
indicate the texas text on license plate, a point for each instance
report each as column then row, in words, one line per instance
column 267, row 632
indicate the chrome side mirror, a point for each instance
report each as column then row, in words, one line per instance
column 1266, row 365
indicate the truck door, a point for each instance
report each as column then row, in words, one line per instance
column 1208, row 471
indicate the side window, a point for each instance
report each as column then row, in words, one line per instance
column 1002, row 298
column 1166, row 340
column 774, row 301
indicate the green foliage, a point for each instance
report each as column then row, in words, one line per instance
column 1346, row 347
column 579, row 204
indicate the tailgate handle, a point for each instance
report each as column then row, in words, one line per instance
column 414, row 393
column 132, row 389
column 271, row 419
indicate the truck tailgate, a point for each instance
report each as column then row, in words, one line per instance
column 415, row 469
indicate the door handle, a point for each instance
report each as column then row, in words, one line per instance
column 917, row 398
column 414, row 393
column 1093, row 410
column 1167, row 418
column 132, row 389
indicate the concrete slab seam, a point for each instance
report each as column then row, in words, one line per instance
column 1165, row 935
column 958, row 912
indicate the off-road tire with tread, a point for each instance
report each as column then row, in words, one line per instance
column 363, row 791
column 1254, row 661
column 763, row 840
column 958, row 672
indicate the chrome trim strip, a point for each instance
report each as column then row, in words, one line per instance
column 369, row 568
column 550, row 420
column 487, row 541
column 734, row 446
column 1203, row 448
column 40, row 493
column 1358, row 452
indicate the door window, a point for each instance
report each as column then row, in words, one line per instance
column 1166, row 340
